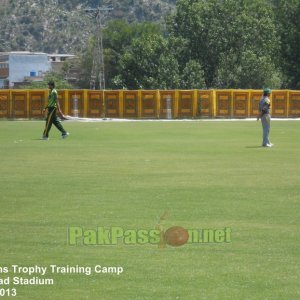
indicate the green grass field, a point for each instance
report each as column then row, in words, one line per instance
column 209, row 175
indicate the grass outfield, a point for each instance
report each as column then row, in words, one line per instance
column 209, row 175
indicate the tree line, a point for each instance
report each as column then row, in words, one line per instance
column 204, row 44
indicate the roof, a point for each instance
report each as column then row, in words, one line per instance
column 61, row 55
column 35, row 53
column 22, row 53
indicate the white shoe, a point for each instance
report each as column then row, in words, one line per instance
column 44, row 138
column 64, row 136
column 268, row 145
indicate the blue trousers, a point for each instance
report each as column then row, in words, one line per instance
column 266, row 122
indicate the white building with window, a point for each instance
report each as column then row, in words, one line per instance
column 24, row 64
column 19, row 66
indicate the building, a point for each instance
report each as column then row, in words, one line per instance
column 23, row 66
column 19, row 65
column 58, row 60
column 4, row 73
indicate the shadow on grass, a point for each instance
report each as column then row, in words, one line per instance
column 38, row 139
column 253, row 147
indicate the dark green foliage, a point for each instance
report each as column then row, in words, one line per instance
column 219, row 33
column 288, row 24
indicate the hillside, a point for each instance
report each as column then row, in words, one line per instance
column 64, row 26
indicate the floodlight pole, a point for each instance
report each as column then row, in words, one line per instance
column 98, row 67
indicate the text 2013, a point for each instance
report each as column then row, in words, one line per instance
column 8, row 292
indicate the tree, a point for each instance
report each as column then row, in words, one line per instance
column 152, row 62
column 247, row 70
column 168, row 76
column 118, row 36
column 214, row 29
column 85, row 64
column 192, row 76
column 142, row 65
column 288, row 24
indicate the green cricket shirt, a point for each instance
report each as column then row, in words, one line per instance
column 52, row 99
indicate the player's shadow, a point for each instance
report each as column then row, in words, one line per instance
column 253, row 147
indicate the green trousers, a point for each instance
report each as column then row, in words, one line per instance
column 52, row 119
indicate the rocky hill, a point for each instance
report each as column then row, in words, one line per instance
column 63, row 25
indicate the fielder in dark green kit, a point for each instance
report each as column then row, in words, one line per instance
column 52, row 107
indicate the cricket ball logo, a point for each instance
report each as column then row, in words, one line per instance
column 174, row 236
